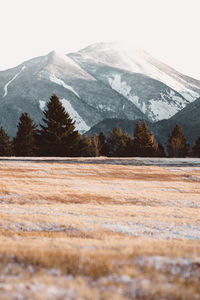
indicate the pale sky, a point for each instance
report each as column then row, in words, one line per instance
column 168, row 29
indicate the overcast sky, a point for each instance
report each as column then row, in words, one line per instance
column 168, row 29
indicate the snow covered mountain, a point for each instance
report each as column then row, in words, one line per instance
column 156, row 89
column 29, row 86
column 128, row 57
column 98, row 82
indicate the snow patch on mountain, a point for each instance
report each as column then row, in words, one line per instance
column 124, row 89
column 159, row 110
column 165, row 108
column 42, row 104
column 176, row 85
column 9, row 82
column 120, row 86
column 178, row 101
column 135, row 100
column 104, row 107
column 80, row 124
column 189, row 95
column 58, row 81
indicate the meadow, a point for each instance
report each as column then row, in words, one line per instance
column 99, row 229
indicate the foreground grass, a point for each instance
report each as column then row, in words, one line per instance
column 74, row 231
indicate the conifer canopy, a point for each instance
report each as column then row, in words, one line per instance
column 177, row 145
column 25, row 140
column 196, row 148
column 5, row 143
column 144, row 143
column 58, row 136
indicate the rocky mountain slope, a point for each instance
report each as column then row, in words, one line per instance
column 188, row 119
column 128, row 57
column 156, row 89
column 29, row 86
column 101, row 81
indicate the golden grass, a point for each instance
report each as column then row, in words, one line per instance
column 63, row 216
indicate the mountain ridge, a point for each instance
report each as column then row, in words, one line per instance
column 135, row 60
column 188, row 119
column 90, row 91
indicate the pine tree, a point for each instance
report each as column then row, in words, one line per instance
column 196, row 148
column 103, row 144
column 58, row 136
column 85, row 146
column 127, row 144
column 177, row 145
column 114, row 141
column 118, row 142
column 144, row 143
column 148, row 142
column 160, row 151
column 96, row 146
column 25, row 140
column 137, row 144
column 5, row 143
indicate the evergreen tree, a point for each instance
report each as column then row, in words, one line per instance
column 137, row 144
column 103, row 144
column 96, row 146
column 58, row 136
column 5, row 143
column 127, row 144
column 117, row 142
column 177, row 145
column 160, row 151
column 149, row 145
column 85, row 146
column 196, row 148
column 144, row 143
column 25, row 140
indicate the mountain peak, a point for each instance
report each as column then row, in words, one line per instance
column 129, row 57
column 104, row 80
column 64, row 65
column 106, row 46
column 56, row 56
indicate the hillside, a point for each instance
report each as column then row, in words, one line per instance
column 105, row 80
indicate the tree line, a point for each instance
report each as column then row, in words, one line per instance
column 57, row 137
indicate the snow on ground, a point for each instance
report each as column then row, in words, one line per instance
column 37, row 227
column 9, row 82
column 154, row 229
column 181, row 266
column 80, row 124
column 140, row 187
column 190, row 162
column 58, row 81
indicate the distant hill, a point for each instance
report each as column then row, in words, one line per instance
column 188, row 119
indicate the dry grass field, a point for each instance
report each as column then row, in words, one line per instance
column 88, row 229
